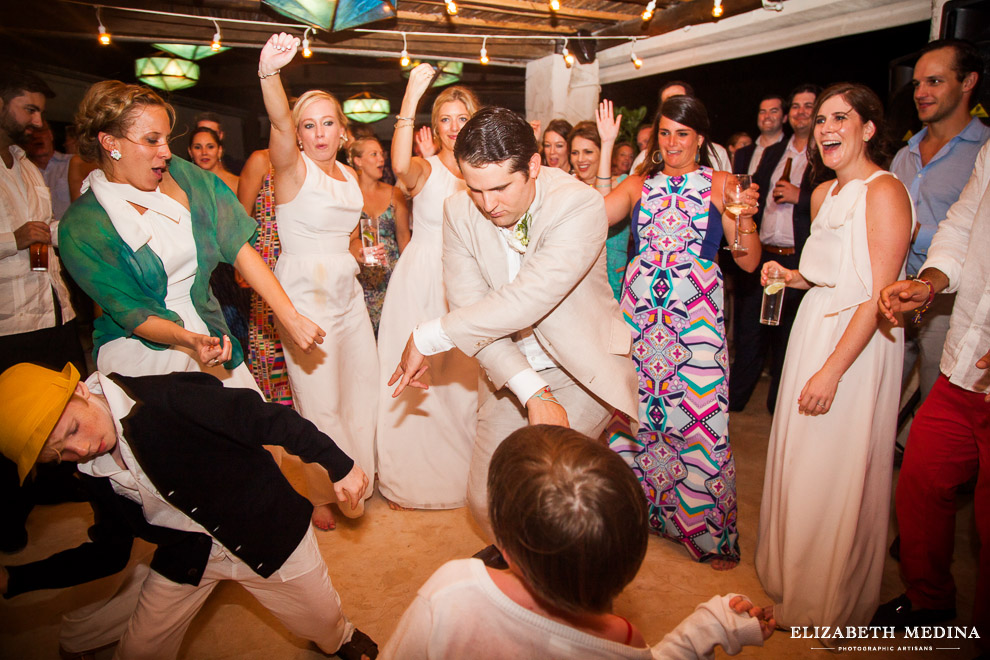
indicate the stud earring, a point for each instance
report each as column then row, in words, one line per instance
column 115, row 153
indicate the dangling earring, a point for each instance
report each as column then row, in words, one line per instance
column 115, row 153
column 299, row 144
column 697, row 157
column 656, row 157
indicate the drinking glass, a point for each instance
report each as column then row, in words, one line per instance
column 369, row 237
column 732, row 197
column 773, row 298
column 39, row 256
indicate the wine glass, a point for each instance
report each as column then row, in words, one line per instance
column 732, row 197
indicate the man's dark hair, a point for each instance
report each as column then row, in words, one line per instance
column 803, row 88
column 771, row 96
column 14, row 82
column 967, row 60
column 208, row 116
column 688, row 89
column 496, row 135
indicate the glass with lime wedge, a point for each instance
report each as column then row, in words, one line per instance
column 773, row 298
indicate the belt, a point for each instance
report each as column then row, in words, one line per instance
column 776, row 249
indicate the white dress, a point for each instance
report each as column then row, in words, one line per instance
column 824, row 516
column 335, row 385
column 425, row 438
column 167, row 226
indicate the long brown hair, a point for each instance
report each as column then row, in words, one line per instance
column 869, row 108
column 690, row 112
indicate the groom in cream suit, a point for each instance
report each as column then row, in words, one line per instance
column 524, row 269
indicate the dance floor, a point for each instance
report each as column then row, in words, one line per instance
column 378, row 562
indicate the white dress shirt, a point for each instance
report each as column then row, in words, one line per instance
column 430, row 338
column 26, row 302
column 777, row 227
column 961, row 250
column 56, row 175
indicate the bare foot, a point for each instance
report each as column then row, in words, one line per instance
column 396, row 507
column 323, row 518
column 724, row 564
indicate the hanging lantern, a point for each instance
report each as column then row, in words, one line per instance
column 450, row 72
column 316, row 13
column 351, row 13
column 190, row 51
column 366, row 108
column 168, row 73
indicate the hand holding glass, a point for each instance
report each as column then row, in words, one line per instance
column 369, row 239
column 733, row 198
column 773, row 297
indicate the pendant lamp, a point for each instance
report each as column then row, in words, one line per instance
column 367, row 108
column 168, row 73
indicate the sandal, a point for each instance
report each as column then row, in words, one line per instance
column 360, row 646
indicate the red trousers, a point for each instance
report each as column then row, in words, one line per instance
column 949, row 441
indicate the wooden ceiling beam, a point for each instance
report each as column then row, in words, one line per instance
column 675, row 17
column 462, row 21
column 543, row 8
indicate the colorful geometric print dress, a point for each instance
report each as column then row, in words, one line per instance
column 266, row 359
column 672, row 298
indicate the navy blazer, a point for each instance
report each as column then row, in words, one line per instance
column 202, row 446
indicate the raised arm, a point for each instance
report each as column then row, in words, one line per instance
column 411, row 171
column 252, row 178
column 608, row 130
column 283, row 151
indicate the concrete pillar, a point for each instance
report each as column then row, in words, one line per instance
column 554, row 91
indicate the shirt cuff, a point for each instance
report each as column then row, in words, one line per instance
column 525, row 384
column 430, row 338
column 53, row 229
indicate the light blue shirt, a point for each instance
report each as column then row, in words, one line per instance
column 936, row 186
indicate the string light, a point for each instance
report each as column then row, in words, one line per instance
column 404, row 56
column 451, row 7
column 215, row 46
column 650, row 8
column 305, row 44
column 717, row 9
column 484, row 51
column 638, row 63
column 104, row 36
column 554, row 5
column 568, row 58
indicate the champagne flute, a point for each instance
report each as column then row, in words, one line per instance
column 732, row 197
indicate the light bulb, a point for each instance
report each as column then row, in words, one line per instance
column 404, row 58
column 717, row 9
column 215, row 46
column 648, row 12
column 451, row 7
column 554, row 5
column 104, row 36
column 568, row 58
column 638, row 63
column 484, row 56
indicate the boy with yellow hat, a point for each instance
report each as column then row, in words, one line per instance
column 179, row 460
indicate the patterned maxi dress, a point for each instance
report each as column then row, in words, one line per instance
column 672, row 298
column 266, row 359
column 374, row 279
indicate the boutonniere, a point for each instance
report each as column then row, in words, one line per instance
column 522, row 230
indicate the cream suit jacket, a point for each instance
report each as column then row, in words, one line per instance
column 561, row 290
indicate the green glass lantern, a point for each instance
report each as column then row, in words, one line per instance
column 351, row 13
column 450, row 72
column 315, row 13
column 190, row 51
column 168, row 73
column 367, row 108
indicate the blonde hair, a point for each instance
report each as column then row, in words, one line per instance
column 456, row 93
column 110, row 107
column 353, row 151
column 311, row 97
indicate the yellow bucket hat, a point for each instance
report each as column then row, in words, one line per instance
column 32, row 399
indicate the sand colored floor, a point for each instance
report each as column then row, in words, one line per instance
column 378, row 562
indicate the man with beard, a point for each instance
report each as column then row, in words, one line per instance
column 37, row 323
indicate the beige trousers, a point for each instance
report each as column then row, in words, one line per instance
column 151, row 616
column 501, row 414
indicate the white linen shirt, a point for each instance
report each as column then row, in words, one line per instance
column 777, row 227
column 961, row 250
column 26, row 301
